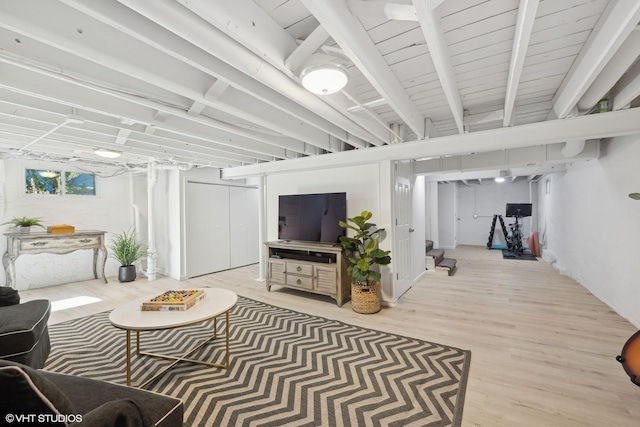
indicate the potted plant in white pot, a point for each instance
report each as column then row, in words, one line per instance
column 25, row 223
column 364, row 254
column 127, row 250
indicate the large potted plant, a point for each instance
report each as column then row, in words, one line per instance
column 127, row 250
column 364, row 257
column 25, row 223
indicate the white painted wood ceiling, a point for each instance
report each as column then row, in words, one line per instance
column 215, row 83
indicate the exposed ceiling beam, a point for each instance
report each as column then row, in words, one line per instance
column 44, row 31
column 614, row 26
column 123, row 134
column 347, row 31
column 531, row 177
column 304, row 51
column 206, row 48
column 595, row 126
column 365, row 105
column 508, row 159
column 627, row 89
column 117, row 104
column 383, row 10
column 524, row 24
column 615, row 68
column 491, row 174
column 483, row 118
column 242, row 56
column 434, row 36
column 429, row 130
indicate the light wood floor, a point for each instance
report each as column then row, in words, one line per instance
column 543, row 348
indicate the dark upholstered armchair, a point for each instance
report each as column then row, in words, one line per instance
column 24, row 336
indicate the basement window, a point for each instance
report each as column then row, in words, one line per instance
column 59, row 182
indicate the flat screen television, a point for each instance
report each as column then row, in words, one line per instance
column 312, row 217
column 518, row 209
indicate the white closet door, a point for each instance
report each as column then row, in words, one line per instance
column 207, row 228
column 243, row 207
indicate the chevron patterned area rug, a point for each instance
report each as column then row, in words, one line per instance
column 287, row 368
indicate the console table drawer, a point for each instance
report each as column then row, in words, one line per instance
column 299, row 281
column 61, row 243
column 299, row 268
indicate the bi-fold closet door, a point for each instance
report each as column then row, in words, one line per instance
column 221, row 227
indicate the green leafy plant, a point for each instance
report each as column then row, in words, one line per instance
column 25, row 222
column 126, row 248
column 362, row 249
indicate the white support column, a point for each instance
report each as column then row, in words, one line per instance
column 262, row 227
column 152, row 178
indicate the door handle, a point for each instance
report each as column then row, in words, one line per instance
column 411, row 230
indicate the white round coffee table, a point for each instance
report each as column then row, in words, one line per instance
column 131, row 318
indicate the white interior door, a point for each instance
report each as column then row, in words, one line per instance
column 243, row 206
column 402, row 244
column 207, row 228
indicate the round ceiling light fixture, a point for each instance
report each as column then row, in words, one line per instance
column 106, row 153
column 49, row 174
column 324, row 79
column 503, row 173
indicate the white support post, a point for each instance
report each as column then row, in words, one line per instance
column 152, row 178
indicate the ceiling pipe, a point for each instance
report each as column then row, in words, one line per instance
column 615, row 68
column 71, row 118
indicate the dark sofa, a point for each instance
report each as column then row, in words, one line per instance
column 81, row 400
column 24, row 337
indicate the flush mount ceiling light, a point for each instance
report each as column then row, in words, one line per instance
column 48, row 174
column 109, row 154
column 503, row 174
column 324, row 79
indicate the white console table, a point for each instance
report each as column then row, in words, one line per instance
column 36, row 243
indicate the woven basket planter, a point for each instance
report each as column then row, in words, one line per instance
column 365, row 297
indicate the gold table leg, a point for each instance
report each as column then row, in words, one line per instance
column 128, row 357
column 184, row 357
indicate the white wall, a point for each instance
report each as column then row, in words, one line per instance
column 431, row 213
column 110, row 211
column 590, row 228
column 447, row 228
column 368, row 187
column 418, row 223
column 485, row 200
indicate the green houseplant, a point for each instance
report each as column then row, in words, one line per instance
column 25, row 223
column 126, row 248
column 364, row 255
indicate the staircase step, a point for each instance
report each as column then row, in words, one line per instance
column 428, row 245
column 436, row 254
column 448, row 264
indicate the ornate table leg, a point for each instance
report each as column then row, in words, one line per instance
column 95, row 263
column 8, row 262
column 103, row 261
